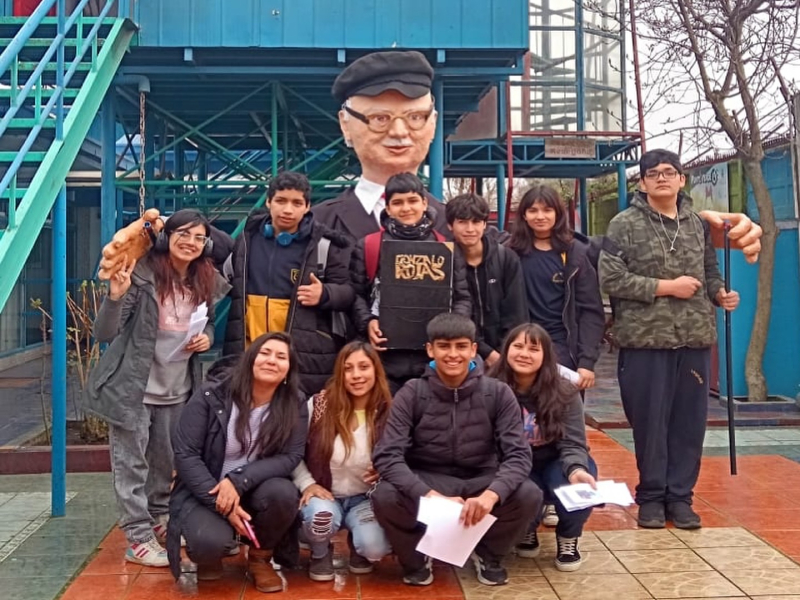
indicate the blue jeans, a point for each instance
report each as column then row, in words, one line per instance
column 322, row 519
column 570, row 524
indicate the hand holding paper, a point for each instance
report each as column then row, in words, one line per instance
column 582, row 495
column 447, row 538
column 197, row 324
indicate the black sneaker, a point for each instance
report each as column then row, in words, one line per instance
column 490, row 572
column 358, row 564
column 651, row 515
column 529, row 546
column 568, row 557
column 682, row 515
column 420, row 577
column 321, row 569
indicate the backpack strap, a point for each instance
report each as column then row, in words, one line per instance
column 439, row 237
column 372, row 251
column 323, row 246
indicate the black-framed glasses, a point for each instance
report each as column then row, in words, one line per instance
column 381, row 122
column 185, row 236
column 668, row 175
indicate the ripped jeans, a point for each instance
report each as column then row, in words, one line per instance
column 322, row 519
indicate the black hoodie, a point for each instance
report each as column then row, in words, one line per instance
column 497, row 289
column 311, row 327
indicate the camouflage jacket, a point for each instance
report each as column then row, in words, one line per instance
column 631, row 274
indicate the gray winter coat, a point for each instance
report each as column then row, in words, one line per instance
column 116, row 385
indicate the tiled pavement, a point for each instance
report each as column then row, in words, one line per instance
column 749, row 548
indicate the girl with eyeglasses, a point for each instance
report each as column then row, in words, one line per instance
column 148, row 371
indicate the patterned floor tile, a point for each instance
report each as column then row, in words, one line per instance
column 738, row 559
column 718, row 537
column 661, row 561
column 774, row 581
column 705, row 584
column 600, row 587
column 640, row 539
column 517, row 588
column 594, row 561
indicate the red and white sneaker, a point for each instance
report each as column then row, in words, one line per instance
column 149, row 554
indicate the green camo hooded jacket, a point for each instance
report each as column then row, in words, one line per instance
column 642, row 320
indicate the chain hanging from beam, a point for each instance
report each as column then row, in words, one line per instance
column 142, row 115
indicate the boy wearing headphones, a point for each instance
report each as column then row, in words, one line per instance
column 289, row 273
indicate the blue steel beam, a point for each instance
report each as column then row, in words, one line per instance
column 108, row 162
column 436, row 158
column 264, row 70
column 58, row 394
column 622, row 188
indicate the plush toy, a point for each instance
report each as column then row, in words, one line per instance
column 130, row 243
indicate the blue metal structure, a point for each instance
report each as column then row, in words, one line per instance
column 37, row 89
column 221, row 96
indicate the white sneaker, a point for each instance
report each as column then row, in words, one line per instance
column 550, row 518
column 149, row 554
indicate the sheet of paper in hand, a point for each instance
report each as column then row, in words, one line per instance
column 416, row 280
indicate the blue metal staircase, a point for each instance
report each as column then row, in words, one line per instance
column 54, row 74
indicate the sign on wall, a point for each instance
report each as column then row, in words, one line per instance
column 709, row 188
column 569, row 148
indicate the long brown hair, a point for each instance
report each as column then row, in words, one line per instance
column 201, row 275
column 339, row 407
column 550, row 392
column 283, row 408
column 522, row 237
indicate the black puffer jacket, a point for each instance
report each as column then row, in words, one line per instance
column 465, row 432
column 311, row 328
column 498, row 292
column 198, row 443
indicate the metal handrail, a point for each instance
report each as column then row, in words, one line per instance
column 10, row 58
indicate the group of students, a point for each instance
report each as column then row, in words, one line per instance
column 480, row 414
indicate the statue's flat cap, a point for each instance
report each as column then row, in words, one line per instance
column 407, row 72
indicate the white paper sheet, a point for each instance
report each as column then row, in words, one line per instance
column 581, row 495
column 569, row 374
column 446, row 538
column 197, row 323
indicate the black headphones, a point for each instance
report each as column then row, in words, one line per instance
column 162, row 243
column 283, row 238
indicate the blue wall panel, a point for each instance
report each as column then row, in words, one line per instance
column 368, row 14
column 782, row 357
column 476, row 24
column 777, row 167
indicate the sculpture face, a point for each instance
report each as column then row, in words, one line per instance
column 399, row 149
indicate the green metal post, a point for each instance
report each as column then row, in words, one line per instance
column 622, row 188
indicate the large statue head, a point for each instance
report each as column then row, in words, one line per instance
column 387, row 112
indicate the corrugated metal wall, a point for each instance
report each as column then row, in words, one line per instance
column 334, row 23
